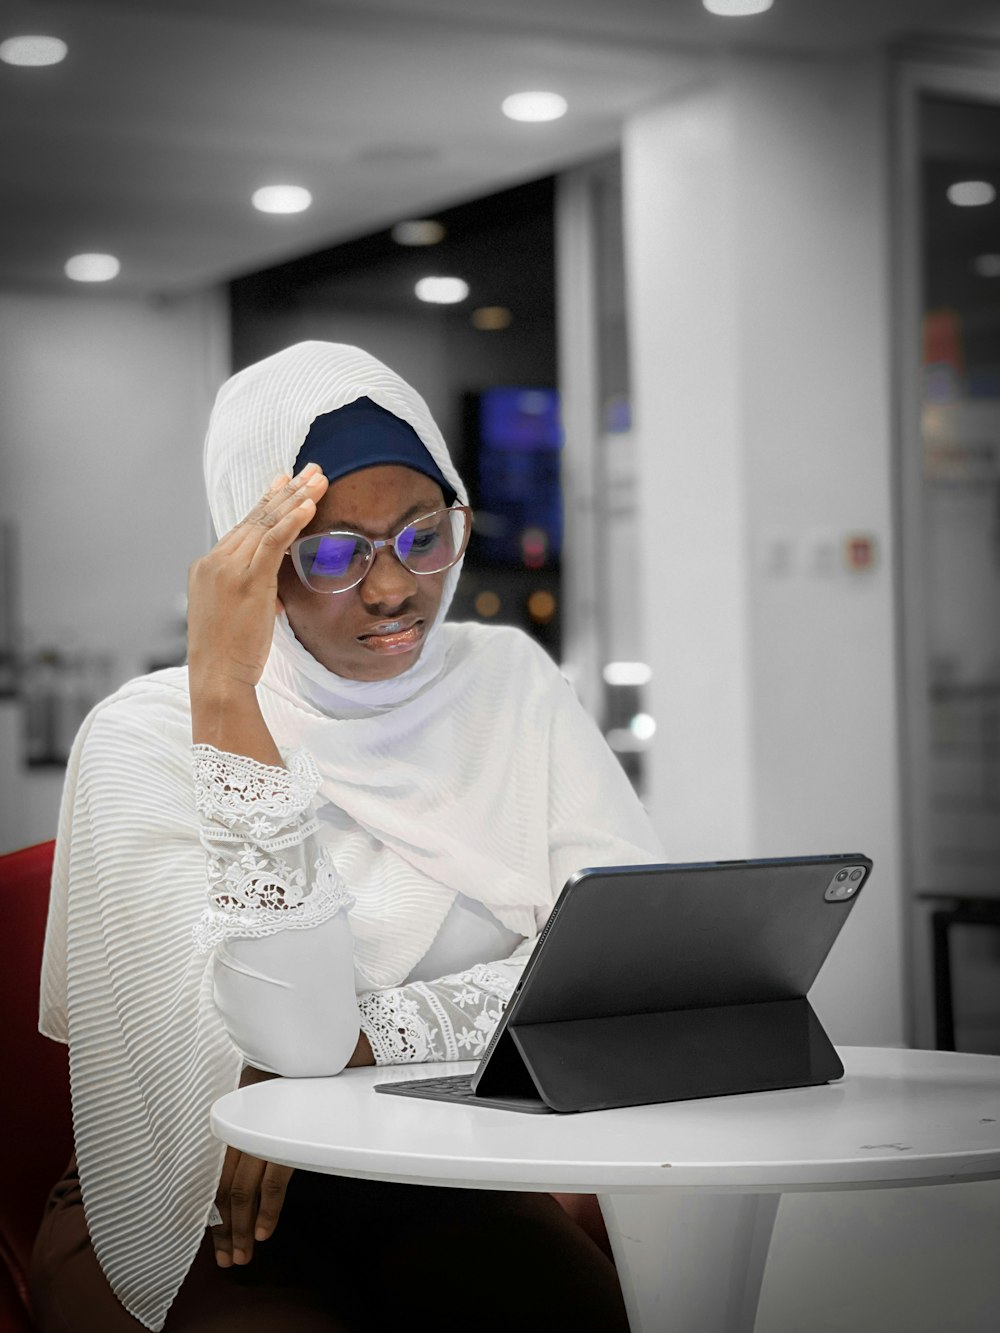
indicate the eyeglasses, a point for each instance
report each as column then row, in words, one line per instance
column 331, row 562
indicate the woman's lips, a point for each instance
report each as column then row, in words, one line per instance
column 393, row 636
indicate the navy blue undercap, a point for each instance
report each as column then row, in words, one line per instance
column 362, row 434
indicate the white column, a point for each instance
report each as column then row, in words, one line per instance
column 681, row 235
column 756, row 226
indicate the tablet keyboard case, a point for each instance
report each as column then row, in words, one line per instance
column 767, row 1037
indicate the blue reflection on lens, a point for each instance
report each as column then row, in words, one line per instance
column 333, row 557
column 404, row 542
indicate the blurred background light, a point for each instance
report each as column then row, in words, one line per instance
column 987, row 266
column 281, row 199
column 418, row 231
column 33, row 50
column 624, row 741
column 971, row 194
column 534, row 547
column 487, row 604
column 442, row 291
column 541, row 606
column 92, row 268
column 642, row 726
column 491, row 317
column 535, row 106
column 627, row 673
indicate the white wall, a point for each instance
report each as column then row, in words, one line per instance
column 103, row 406
column 757, row 256
column 757, row 253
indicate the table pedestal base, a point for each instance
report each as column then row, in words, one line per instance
column 690, row 1261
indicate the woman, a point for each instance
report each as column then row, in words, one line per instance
column 349, row 866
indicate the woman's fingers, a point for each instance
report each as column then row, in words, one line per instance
column 282, row 530
column 284, row 495
column 232, row 591
column 249, row 1199
column 244, row 1191
column 222, row 1235
column 273, row 1185
column 237, row 533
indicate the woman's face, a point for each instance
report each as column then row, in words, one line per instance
column 375, row 630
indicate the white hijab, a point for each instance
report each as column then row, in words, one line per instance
column 418, row 831
column 258, row 425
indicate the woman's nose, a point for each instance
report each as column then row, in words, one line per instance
column 388, row 582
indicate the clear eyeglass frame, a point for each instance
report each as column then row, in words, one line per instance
column 372, row 546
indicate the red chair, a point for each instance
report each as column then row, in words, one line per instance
column 35, row 1125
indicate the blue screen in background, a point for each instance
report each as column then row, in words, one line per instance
column 519, row 493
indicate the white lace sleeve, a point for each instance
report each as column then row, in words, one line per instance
column 266, row 872
column 449, row 1019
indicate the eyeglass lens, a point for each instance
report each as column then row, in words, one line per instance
column 334, row 561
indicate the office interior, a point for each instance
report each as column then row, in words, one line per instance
column 743, row 337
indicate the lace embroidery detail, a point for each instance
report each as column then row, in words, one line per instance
column 257, row 831
column 450, row 1019
column 263, row 800
column 396, row 1031
column 297, row 834
column 262, row 903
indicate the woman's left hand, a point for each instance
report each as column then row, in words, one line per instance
column 250, row 1195
column 249, row 1199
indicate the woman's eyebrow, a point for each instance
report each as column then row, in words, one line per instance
column 414, row 511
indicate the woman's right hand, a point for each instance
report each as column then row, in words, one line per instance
column 233, row 590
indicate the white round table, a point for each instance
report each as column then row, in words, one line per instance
column 689, row 1190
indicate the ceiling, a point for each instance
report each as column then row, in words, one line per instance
column 148, row 140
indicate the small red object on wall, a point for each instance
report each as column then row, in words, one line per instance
column 859, row 551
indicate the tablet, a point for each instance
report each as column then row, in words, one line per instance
column 665, row 982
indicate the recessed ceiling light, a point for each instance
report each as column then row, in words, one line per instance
column 418, row 231
column 736, row 8
column 281, row 199
column 491, row 317
column 442, row 291
column 534, row 106
column 33, row 50
column 92, row 268
column 987, row 266
column 971, row 194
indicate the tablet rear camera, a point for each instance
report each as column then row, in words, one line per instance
column 844, row 884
